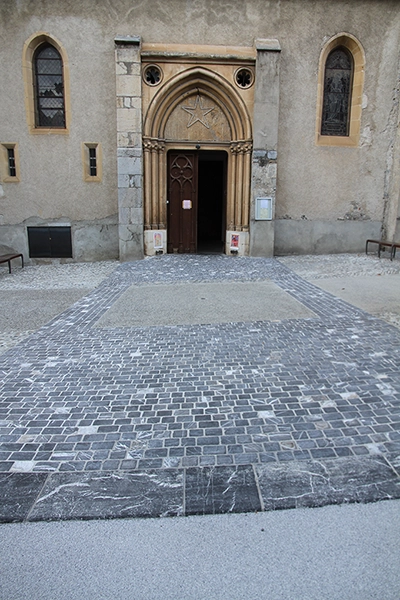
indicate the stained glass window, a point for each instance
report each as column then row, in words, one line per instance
column 337, row 93
column 49, row 87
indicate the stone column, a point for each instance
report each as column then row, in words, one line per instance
column 265, row 143
column 129, row 152
column 155, row 205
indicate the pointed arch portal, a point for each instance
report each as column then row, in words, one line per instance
column 197, row 143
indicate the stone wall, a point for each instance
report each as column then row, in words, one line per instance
column 327, row 199
column 129, row 133
column 265, row 143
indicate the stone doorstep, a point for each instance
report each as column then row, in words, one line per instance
column 196, row 491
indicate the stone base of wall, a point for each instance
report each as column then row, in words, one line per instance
column 397, row 234
column 323, row 237
column 262, row 238
column 98, row 240
column 95, row 240
column 91, row 240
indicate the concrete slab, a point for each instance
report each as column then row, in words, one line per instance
column 348, row 552
column 25, row 310
column 203, row 303
column 375, row 294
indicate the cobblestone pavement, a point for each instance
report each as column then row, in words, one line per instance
column 129, row 421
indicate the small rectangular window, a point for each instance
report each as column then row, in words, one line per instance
column 92, row 162
column 12, row 171
column 91, row 159
column 9, row 163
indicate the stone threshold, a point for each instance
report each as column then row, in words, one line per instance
column 28, row 497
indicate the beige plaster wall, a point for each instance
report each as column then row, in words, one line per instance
column 51, row 174
column 319, row 183
column 331, row 183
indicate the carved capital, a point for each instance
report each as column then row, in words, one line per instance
column 153, row 145
column 242, row 147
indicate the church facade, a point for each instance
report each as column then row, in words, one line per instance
column 259, row 128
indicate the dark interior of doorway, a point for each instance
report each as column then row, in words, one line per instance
column 211, row 202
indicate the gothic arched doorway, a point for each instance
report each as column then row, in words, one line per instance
column 197, row 130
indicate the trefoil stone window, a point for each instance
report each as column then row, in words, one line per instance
column 152, row 75
column 244, row 78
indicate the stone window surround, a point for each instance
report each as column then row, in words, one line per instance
column 86, row 163
column 348, row 41
column 4, row 167
column 28, row 77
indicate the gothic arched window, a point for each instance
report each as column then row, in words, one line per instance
column 338, row 81
column 48, row 87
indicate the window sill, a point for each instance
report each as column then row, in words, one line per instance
column 9, row 179
column 337, row 141
column 49, row 131
column 89, row 179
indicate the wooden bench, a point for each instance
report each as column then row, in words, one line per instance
column 383, row 244
column 7, row 258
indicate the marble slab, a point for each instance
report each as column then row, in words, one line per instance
column 18, row 492
column 198, row 491
column 393, row 458
column 331, row 481
column 216, row 490
column 110, row 495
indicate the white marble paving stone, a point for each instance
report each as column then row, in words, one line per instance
column 318, row 483
column 23, row 466
column 117, row 495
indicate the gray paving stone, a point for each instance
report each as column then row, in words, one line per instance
column 311, row 483
column 78, row 397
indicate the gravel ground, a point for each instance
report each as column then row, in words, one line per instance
column 56, row 276
column 84, row 277
column 314, row 268
column 90, row 275
column 340, row 265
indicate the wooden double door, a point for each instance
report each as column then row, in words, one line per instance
column 196, row 201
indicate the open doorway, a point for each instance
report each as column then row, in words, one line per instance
column 196, row 201
column 211, row 206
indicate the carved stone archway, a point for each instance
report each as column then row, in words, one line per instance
column 197, row 108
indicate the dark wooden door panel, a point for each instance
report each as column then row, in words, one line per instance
column 182, row 202
column 50, row 242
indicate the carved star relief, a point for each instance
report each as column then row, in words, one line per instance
column 197, row 113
